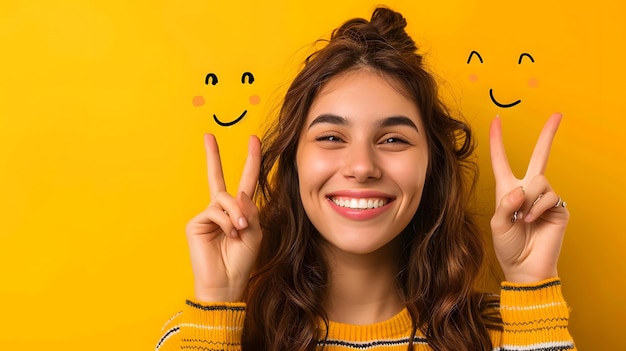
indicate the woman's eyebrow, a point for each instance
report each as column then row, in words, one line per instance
column 398, row 121
column 329, row 118
column 386, row 122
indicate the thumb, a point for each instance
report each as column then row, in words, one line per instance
column 507, row 211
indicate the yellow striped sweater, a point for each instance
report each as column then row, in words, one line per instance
column 534, row 317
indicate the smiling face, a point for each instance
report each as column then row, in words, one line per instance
column 362, row 159
column 211, row 79
column 532, row 82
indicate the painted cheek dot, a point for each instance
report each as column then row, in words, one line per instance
column 254, row 100
column 197, row 101
column 473, row 77
column 533, row 82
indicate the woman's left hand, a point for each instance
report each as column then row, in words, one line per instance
column 530, row 218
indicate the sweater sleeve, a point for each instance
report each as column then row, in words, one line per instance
column 202, row 326
column 534, row 317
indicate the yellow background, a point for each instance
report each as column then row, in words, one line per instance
column 101, row 158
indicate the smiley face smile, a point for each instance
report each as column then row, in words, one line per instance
column 493, row 99
column 227, row 124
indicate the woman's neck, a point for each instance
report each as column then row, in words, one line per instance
column 362, row 288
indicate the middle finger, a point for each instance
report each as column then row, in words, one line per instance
column 539, row 158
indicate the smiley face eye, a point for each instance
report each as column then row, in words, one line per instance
column 525, row 54
column 469, row 59
column 248, row 75
column 211, row 77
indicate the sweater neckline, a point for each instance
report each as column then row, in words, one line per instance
column 397, row 326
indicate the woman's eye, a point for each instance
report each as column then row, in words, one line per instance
column 394, row 140
column 328, row 138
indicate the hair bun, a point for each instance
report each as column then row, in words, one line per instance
column 385, row 26
column 388, row 23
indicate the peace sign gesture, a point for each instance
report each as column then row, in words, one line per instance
column 224, row 239
column 530, row 218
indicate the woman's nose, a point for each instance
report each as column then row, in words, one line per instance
column 361, row 163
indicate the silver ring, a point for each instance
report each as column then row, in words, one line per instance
column 538, row 198
column 514, row 218
column 560, row 203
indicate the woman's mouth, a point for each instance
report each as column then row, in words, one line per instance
column 359, row 203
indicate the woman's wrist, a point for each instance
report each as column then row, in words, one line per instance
column 214, row 295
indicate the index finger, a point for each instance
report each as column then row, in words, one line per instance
column 541, row 153
column 252, row 167
column 214, row 165
column 499, row 161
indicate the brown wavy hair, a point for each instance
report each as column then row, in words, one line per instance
column 444, row 251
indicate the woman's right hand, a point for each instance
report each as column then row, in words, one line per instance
column 224, row 239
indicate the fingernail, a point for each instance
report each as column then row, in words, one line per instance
column 234, row 233
column 528, row 218
column 243, row 223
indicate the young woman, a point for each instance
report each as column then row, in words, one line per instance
column 359, row 237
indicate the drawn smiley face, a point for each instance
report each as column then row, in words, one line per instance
column 247, row 78
column 532, row 82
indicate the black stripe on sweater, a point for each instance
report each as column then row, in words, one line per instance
column 214, row 308
column 370, row 344
column 531, row 288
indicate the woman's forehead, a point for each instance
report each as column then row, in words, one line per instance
column 363, row 94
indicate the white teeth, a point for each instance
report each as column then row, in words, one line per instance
column 361, row 204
